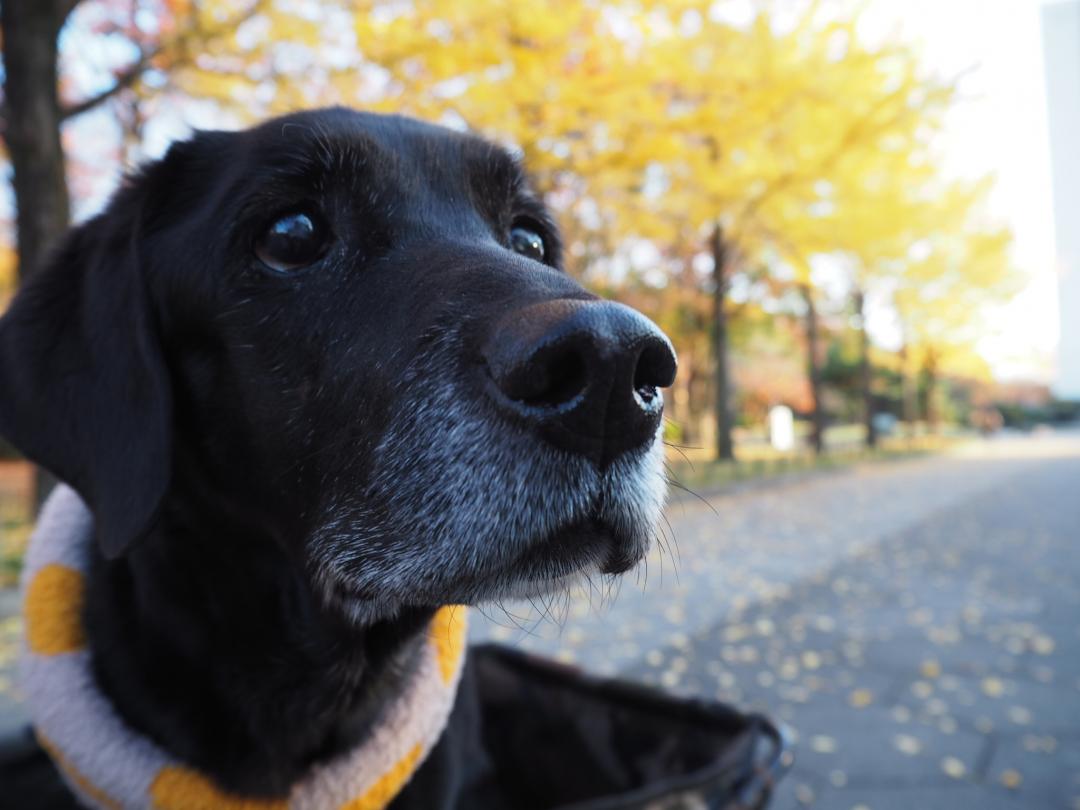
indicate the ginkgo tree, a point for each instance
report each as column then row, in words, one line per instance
column 950, row 283
column 797, row 140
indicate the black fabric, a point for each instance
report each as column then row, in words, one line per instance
column 529, row 734
column 28, row 778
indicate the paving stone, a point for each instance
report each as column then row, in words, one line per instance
column 1043, row 770
column 1012, row 705
column 955, row 797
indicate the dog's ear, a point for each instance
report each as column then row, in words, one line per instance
column 84, row 389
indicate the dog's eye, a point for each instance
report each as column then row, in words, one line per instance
column 527, row 242
column 292, row 242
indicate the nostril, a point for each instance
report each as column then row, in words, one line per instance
column 646, row 393
column 655, row 369
column 553, row 376
column 561, row 377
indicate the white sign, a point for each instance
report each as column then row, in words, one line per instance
column 782, row 428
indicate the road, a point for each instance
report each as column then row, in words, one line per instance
column 917, row 624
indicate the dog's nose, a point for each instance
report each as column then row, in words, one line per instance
column 584, row 373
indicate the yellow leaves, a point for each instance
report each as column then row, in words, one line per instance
column 861, row 698
column 1011, row 778
column 954, row 767
column 8, row 265
column 209, row 85
column 954, row 267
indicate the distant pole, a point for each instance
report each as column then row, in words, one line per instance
column 813, row 368
column 907, row 390
column 866, row 371
column 725, row 447
column 930, row 375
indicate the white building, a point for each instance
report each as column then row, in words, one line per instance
column 1061, row 37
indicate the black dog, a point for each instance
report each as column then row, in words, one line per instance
column 315, row 380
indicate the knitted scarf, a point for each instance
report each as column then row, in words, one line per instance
column 109, row 765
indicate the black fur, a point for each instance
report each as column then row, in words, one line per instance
column 213, row 412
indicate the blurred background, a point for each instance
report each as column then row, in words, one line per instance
column 859, row 222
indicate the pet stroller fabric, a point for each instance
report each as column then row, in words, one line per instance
column 532, row 734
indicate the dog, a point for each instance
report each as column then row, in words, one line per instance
column 314, row 381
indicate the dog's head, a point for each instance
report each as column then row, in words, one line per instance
column 354, row 332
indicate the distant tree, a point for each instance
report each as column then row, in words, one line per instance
column 32, row 117
column 789, row 131
column 949, row 285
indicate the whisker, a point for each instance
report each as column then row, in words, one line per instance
column 679, row 449
column 677, row 559
column 672, row 482
column 515, row 620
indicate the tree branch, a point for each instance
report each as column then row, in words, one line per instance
column 126, row 78
column 64, row 9
column 850, row 137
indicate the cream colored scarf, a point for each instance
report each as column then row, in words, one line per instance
column 108, row 765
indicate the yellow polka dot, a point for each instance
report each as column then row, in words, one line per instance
column 53, row 610
column 448, row 636
column 176, row 788
column 74, row 776
column 389, row 785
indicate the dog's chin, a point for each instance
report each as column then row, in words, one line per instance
column 553, row 564
column 558, row 562
column 590, row 544
column 524, row 589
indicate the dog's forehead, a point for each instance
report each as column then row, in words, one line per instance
column 343, row 140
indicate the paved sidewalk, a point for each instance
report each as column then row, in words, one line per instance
column 918, row 625
column 940, row 668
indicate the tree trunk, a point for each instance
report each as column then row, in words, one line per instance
column 930, row 376
column 725, row 448
column 907, row 391
column 32, row 123
column 680, row 398
column 866, row 372
column 813, row 367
